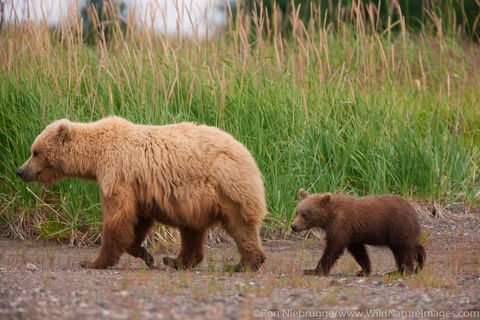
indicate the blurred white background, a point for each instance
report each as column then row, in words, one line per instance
column 187, row 17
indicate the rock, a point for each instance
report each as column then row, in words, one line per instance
column 31, row 267
column 335, row 283
column 124, row 293
column 152, row 308
column 458, row 208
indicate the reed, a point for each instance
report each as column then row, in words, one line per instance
column 332, row 106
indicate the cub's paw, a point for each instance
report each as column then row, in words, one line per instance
column 362, row 273
column 396, row 274
column 149, row 261
column 241, row 268
column 172, row 263
column 90, row 265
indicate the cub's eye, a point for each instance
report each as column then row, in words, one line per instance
column 303, row 215
column 35, row 154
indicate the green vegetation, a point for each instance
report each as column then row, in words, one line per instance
column 332, row 107
column 455, row 16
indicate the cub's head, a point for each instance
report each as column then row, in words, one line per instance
column 44, row 164
column 312, row 211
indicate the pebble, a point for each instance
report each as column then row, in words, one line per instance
column 152, row 308
column 78, row 294
column 31, row 267
column 124, row 293
column 335, row 283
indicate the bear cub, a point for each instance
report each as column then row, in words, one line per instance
column 352, row 223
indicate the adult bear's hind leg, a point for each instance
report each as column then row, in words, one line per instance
column 247, row 238
column 192, row 250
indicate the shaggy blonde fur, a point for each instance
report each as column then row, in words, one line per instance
column 183, row 175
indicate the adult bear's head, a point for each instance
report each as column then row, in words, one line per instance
column 45, row 162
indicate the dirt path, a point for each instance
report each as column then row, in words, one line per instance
column 42, row 280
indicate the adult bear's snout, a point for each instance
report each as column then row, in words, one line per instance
column 20, row 172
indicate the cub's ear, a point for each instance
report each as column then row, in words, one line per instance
column 63, row 130
column 325, row 198
column 303, row 194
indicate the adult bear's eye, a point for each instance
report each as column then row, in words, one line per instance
column 35, row 154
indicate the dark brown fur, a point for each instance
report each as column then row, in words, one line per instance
column 352, row 223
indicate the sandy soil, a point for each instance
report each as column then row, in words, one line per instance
column 42, row 280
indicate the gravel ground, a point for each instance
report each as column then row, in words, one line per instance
column 42, row 280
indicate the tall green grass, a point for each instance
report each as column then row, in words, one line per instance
column 339, row 107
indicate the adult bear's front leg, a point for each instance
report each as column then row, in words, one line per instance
column 109, row 255
column 118, row 230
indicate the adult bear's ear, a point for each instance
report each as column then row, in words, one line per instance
column 303, row 194
column 63, row 131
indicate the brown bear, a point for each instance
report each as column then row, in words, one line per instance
column 187, row 176
column 352, row 223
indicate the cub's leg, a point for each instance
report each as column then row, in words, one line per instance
column 404, row 257
column 330, row 255
column 420, row 257
column 359, row 252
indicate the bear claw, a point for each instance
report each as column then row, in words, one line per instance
column 311, row 272
column 171, row 262
column 149, row 263
column 86, row 265
column 90, row 265
column 361, row 273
